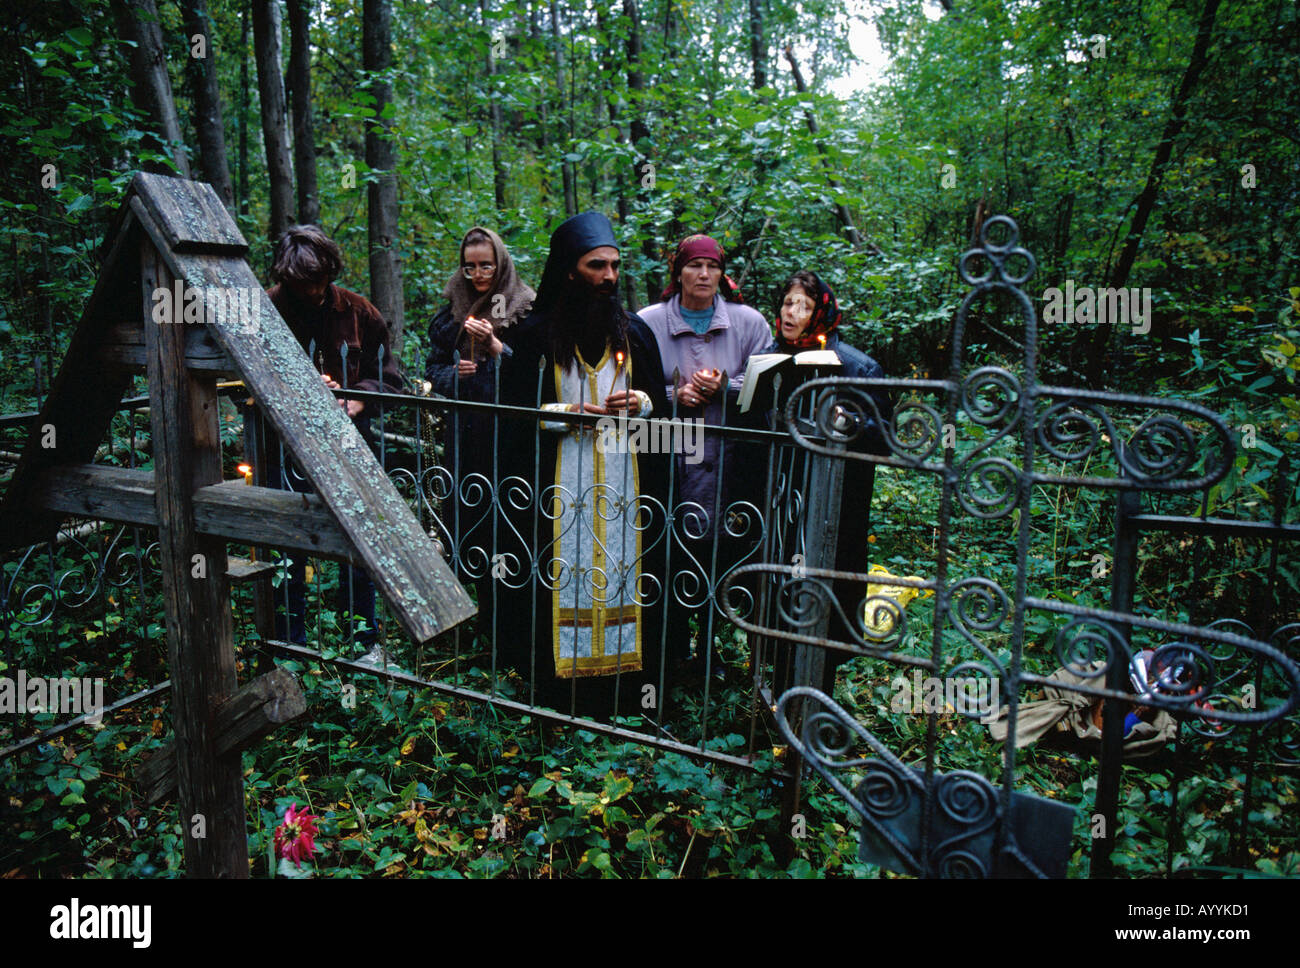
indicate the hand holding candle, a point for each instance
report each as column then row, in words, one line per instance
column 706, row 383
column 480, row 330
column 622, row 399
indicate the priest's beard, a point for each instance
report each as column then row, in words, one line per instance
column 589, row 320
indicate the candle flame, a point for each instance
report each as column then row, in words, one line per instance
column 821, row 338
column 245, row 468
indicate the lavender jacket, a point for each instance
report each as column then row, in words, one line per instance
column 736, row 332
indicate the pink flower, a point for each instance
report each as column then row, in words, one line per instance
column 295, row 838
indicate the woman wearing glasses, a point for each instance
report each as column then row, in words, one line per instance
column 485, row 299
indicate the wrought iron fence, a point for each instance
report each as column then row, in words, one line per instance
column 756, row 596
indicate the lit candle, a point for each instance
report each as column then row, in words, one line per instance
column 618, row 368
column 247, row 470
column 821, row 340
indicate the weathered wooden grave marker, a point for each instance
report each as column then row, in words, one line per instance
column 176, row 297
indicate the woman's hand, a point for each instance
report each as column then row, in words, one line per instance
column 706, row 383
column 481, row 330
column 700, row 390
column 688, row 396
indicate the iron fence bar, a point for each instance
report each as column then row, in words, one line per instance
column 535, row 559
column 758, row 643
column 707, row 621
column 794, row 795
column 83, row 719
column 1261, row 607
column 1173, row 840
column 670, row 530
column 141, row 403
column 510, row 410
column 1252, row 754
column 1112, row 727
column 454, row 443
column 1182, row 524
column 525, row 709
column 494, row 505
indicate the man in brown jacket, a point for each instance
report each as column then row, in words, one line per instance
column 348, row 342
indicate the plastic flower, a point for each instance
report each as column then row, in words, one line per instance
column 295, row 838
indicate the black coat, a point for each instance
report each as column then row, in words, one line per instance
column 530, row 453
column 471, row 446
column 852, row 552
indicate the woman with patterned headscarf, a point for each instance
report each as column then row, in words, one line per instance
column 485, row 300
column 809, row 319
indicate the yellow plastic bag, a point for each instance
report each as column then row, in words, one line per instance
column 878, row 618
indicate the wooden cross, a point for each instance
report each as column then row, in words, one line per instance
column 174, row 236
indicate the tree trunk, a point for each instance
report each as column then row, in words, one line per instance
column 1146, row 201
column 757, row 44
column 841, row 210
column 1173, row 128
column 639, row 132
column 381, row 157
column 566, row 166
column 670, row 30
column 753, row 226
column 138, row 21
column 543, row 129
column 275, row 137
column 304, row 137
column 494, row 115
column 207, row 102
column 243, row 109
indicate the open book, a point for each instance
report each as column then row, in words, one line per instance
column 762, row 369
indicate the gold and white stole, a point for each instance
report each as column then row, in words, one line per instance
column 596, row 620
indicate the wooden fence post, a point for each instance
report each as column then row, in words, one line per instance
column 200, row 646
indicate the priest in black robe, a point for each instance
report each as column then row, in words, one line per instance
column 592, row 608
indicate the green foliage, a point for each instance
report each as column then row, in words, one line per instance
column 1051, row 112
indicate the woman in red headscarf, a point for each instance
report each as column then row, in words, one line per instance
column 704, row 332
column 706, row 336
